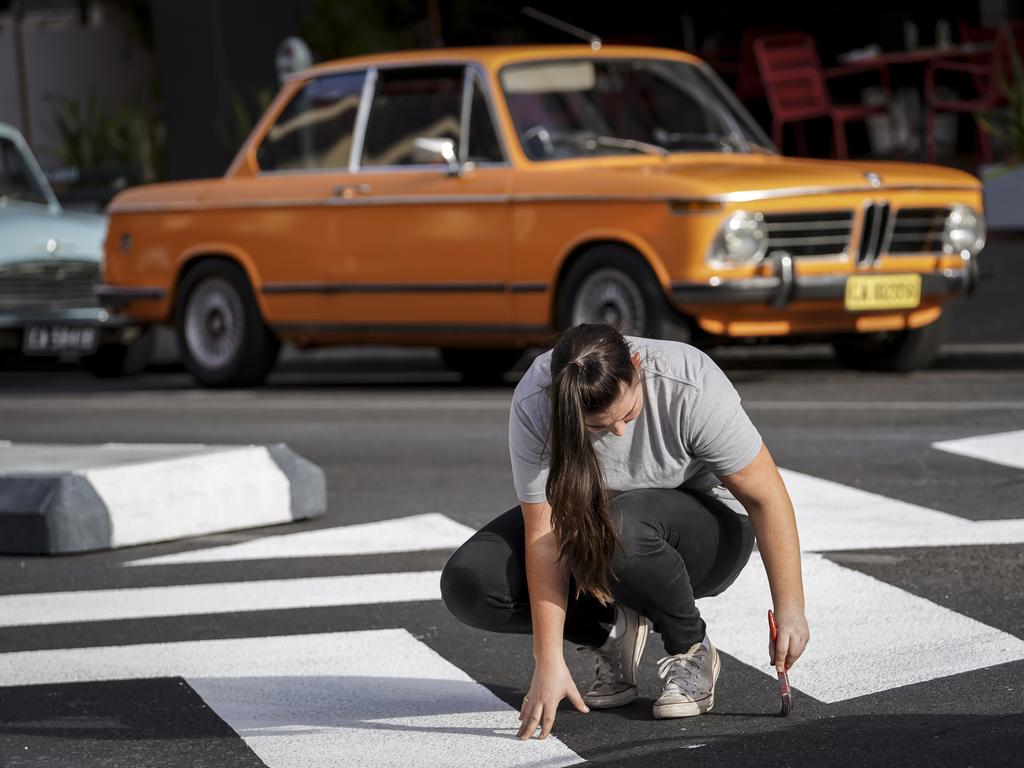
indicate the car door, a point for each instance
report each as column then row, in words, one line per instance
column 287, row 217
column 430, row 248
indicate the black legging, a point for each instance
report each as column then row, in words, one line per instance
column 676, row 545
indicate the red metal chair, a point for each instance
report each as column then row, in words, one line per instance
column 984, row 75
column 795, row 83
column 748, row 76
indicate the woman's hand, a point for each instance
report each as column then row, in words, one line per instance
column 790, row 639
column 551, row 683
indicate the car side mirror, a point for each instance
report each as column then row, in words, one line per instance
column 443, row 148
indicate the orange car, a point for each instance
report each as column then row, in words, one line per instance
column 481, row 199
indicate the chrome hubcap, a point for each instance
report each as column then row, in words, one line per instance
column 610, row 296
column 214, row 323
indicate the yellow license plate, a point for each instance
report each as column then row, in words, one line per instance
column 883, row 292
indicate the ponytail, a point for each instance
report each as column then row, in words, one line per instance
column 590, row 364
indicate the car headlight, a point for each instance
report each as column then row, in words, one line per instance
column 742, row 240
column 965, row 231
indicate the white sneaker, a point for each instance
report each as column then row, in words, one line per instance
column 689, row 681
column 616, row 662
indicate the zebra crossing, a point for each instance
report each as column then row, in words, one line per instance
column 384, row 697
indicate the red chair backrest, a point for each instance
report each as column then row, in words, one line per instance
column 748, row 76
column 792, row 77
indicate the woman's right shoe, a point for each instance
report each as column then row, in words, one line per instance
column 616, row 662
column 689, row 681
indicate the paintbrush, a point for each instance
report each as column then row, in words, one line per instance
column 784, row 690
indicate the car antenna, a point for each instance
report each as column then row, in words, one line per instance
column 551, row 21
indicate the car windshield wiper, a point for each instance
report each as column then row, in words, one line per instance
column 594, row 140
column 634, row 144
column 728, row 141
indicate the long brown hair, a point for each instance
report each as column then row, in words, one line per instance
column 590, row 365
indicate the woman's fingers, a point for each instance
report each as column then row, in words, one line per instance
column 577, row 700
column 547, row 722
column 530, row 722
column 781, row 651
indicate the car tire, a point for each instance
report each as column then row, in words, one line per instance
column 612, row 284
column 111, row 361
column 900, row 351
column 221, row 335
column 480, row 366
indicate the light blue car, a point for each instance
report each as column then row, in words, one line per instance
column 50, row 263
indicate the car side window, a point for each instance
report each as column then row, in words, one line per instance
column 16, row 180
column 316, row 129
column 408, row 104
column 483, row 139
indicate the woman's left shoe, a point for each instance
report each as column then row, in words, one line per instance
column 689, row 681
column 616, row 662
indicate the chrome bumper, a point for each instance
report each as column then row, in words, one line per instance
column 94, row 316
column 784, row 286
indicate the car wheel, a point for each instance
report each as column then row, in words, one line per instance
column 112, row 361
column 221, row 335
column 908, row 350
column 480, row 366
column 612, row 284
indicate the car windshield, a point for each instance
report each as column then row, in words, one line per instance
column 586, row 107
column 17, row 182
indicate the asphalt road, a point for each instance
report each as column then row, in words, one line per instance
column 917, row 652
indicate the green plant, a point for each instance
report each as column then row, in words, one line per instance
column 98, row 140
column 1006, row 124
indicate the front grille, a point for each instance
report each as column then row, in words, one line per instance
column 823, row 234
column 48, row 285
column 918, row 230
column 872, row 233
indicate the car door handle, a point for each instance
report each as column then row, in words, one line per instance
column 348, row 191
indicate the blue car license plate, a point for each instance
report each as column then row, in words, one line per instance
column 55, row 339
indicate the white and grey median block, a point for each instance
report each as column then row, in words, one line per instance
column 74, row 498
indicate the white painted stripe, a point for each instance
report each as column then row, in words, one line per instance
column 374, row 698
column 832, row 517
column 192, row 495
column 1006, row 448
column 216, row 403
column 219, row 404
column 866, row 636
column 198, row 599
column 406, row 534
column 884, row 405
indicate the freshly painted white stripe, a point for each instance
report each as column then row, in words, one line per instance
column 867, row 636
column 373, row 698
column 883, row 405
column 406, row 534
column 199, row 599
column 219, row 403
column 833, row 517
column 216, row 403
column 192, row 495
column 1006, row 448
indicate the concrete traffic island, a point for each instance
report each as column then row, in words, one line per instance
column 75, row 498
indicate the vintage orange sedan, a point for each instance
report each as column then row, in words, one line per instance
column 479, row 200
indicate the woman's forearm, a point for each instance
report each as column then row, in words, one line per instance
column 760, row 489
column 548, row 587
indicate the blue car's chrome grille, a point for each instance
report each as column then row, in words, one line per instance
column 50, row 284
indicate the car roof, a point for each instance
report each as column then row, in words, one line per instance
column 494, row 57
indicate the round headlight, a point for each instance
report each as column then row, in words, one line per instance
column 965, row 231
column 742, row 240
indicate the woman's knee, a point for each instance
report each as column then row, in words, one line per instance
column 636, row 538
column 475, row 583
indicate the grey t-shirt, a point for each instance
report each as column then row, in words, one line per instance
column 691, row 429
